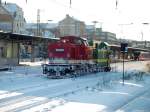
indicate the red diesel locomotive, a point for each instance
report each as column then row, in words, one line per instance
column 69, row 56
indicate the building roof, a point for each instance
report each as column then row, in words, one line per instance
column 5, row 16
column 42, row 25
column 11, row 7
column 71, row 18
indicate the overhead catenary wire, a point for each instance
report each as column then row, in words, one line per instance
column 72, row 9
column 116, row 4
column 77, row 11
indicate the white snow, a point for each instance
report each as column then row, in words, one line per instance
column 79, row 107
column 26, row 89
column 9, row 95
column 16, row 105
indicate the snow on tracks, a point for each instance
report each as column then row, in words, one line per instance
column 37, row 95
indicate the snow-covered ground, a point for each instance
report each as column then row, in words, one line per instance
column 26, row 89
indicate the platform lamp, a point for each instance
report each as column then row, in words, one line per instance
column 124, row 49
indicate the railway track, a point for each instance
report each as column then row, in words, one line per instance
column 28, row 100
column 22, row 89
column 20, row 93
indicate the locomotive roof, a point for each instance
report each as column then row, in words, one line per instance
column 74, row 37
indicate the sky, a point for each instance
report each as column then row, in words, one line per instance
column 125, row 20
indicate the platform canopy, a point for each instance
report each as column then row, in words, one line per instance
column 24, row 38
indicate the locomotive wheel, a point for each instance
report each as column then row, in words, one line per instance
column 107, row 69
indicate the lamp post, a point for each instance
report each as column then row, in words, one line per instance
column 12, row 25
column 123, row 50
column 48, row 24
column 38, row 22
column 95, row 22
column 142, row 30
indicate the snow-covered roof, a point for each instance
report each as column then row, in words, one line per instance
column 42, row 25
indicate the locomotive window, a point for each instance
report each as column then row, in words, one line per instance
column 78, row 42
